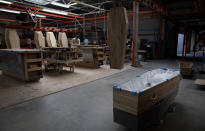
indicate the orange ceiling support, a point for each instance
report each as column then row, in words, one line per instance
column 8, row 20
column 53, row 29
column 200, row 7
column 101, row 17
column 153, row 4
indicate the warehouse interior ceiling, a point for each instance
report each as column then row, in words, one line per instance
column 181, row 12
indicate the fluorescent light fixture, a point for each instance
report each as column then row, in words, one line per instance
column 41, row 16
column 40, row 2
column 73, row 4
column 55, row 11
column 62, row 5
column 5, row 2
column 10, row 11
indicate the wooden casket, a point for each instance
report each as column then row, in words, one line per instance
column 141, row 94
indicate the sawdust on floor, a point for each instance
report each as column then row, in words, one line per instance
column 13, row 92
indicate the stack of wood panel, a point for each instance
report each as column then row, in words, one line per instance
column 93, row 56
column 23, row 64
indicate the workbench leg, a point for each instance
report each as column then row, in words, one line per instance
column 72, row 68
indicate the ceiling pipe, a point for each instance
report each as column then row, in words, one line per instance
column 90, row 13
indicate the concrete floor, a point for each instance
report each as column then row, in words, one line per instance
column 88, row 107
column 14, row 92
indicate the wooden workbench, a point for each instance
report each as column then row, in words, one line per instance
column 22, row 64
column 59, row 57
column 93, row 56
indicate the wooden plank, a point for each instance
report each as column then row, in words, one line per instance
column 200, row 82
column 18, row 77
column 117, row 35
column 25, row 67
column 21, row 50
column 87, row 65
column 33, row 60
column 34, row 69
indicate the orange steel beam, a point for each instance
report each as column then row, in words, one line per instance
column 8, row 20
column 12, row 26
column 101, row 17
column 99, row 22
column 153, row 4
column 53, row 29
column 199, row 6
column 108, row 43
column 50, row 19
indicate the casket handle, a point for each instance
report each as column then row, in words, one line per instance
column 154, row 97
